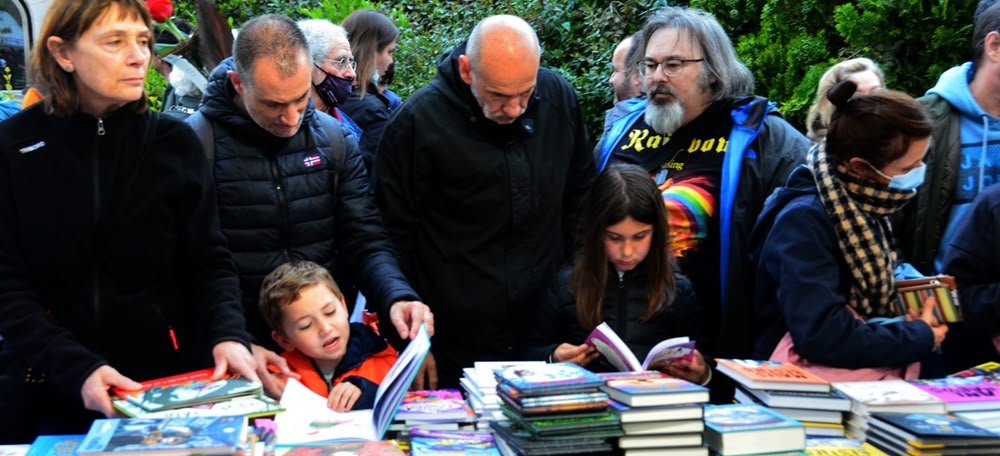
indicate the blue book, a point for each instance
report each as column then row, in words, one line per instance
column 55, row 445
column 926, row 431
column 435, row 443
column 542, row 379
column 751, row 428
column 165, row 436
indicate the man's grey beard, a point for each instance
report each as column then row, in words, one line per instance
column 664, row 118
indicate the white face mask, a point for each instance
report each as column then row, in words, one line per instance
column 909, row 181
column 375, row 78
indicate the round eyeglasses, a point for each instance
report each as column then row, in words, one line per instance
column 343, row 63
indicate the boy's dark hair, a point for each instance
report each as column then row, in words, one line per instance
column 621, row 191
column 284, row 285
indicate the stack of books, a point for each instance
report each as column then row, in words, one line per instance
column 206, row 435
column 868, row 397
column 660, row 415
column 790, row 391
column 440, row 409
column 553, row 409
column 195, row 394
column 480, row 386
column 740, row 429
column 925, row 434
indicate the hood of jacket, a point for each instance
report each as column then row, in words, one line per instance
column 953, row 86
column 220, row 105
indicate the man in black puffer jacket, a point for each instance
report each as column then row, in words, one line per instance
column 284, row 190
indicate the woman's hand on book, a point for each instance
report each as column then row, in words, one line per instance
column 343, row 396
column 694, row 370
column 95, row 389
column 939, row 328
column 580, row 355
column 232, row 356
column 407, row 316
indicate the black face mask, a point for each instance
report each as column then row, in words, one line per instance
column 333, row 90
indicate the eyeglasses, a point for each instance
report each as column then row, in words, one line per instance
column 671, row 67
column 342, row 63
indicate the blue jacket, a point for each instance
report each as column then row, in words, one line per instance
column 974, row 259
column 802, row 288
column 763, row 149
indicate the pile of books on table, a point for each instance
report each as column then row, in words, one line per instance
column 195, row 394
column 480, row 388
column 553, row 409
column 929, row 434
column 790, row 391
column 440, row 409
column 660, row 415
column 743, row 429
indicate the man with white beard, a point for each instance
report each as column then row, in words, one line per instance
column 716, row 152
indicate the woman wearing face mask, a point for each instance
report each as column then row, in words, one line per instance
column 333, row 68
column 373, row 41
column 824, row 252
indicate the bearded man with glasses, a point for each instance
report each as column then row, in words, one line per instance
column 716, row 152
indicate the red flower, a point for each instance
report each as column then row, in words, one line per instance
column 161, row 10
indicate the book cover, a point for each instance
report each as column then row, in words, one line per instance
column 662, row 413
column 913, row 293
column 926, row 430
column 547, row 378
column 619, row 355
column 771, row 375
column 834, row 446
column 372, row 448
column 163, row 436
column 832, row 400
column 560, row 424
column 746, row 429
column 990, row 369
column 889, row 396
column 434, row 443
column 962, row 393
column 647, row 391
column 187, row 389
column 307, row 420
column 565, row 403
column 252, row 406
column 433, row 405
column 55, row 445
column 485, row 371
column 20, row 449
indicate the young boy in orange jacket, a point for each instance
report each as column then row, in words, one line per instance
column 343, row 361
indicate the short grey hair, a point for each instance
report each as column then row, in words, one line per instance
column 320, row 35
column 733, row 79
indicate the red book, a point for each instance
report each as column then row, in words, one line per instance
column 187, row 389
column 771, row 375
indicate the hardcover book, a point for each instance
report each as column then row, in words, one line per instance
column 434, row 405
column 307, row 420
column 771, row 375
column 562, row 424
column 913, row 293
column 644, row 390
column 186, row 390
column 252, row 406
column 888, row 396
column 55, row 445
column 961, row 394
column 833, row 446
column 616, row 351
column 646, row 414
column 664, row 427
column 557, row 404
column 832, row 400
column 932, row 431
column 434, row 443
column 737, row 429
column 373, row 448
column 990, row 369
column 542, row 379
column 660, row 441
column 165, row 436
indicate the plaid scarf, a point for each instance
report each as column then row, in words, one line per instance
column 859, row 210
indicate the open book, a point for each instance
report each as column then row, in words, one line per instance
column 307, row 419
column 616, row 351
column 942, row 288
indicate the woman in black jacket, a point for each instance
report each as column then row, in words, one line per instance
column 624, row 276
column 112, row 264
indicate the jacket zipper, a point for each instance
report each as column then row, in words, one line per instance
column 95, row 277
column 282, row 207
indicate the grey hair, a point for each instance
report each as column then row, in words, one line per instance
column 270, row 35
column 320, row 35
column 634, row 55
column 473, row 47
column 732, row 78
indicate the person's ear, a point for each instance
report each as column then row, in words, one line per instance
column 282, row 341
column 236, row 81
column 862, row 168
column 465, row 69
column 60, row 52
column 991, row 45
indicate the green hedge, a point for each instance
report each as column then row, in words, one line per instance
column 788, row 44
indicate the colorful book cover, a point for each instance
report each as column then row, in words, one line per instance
column 433, row 405
column 568, row 405
column 559, row 424
column 655, row 391
column 188, row 389
column 745, row 417
column 55, row 445
column 988, row 369
column 962, row 393
column 836, row 446
column 889, row 396
column 619, row 355
column 192, row 435
column 437, row 443
column 372, row 448
column 928, row 427
column 771, row 375
column 545, row 378
column 913, row 293
column 252, row 406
